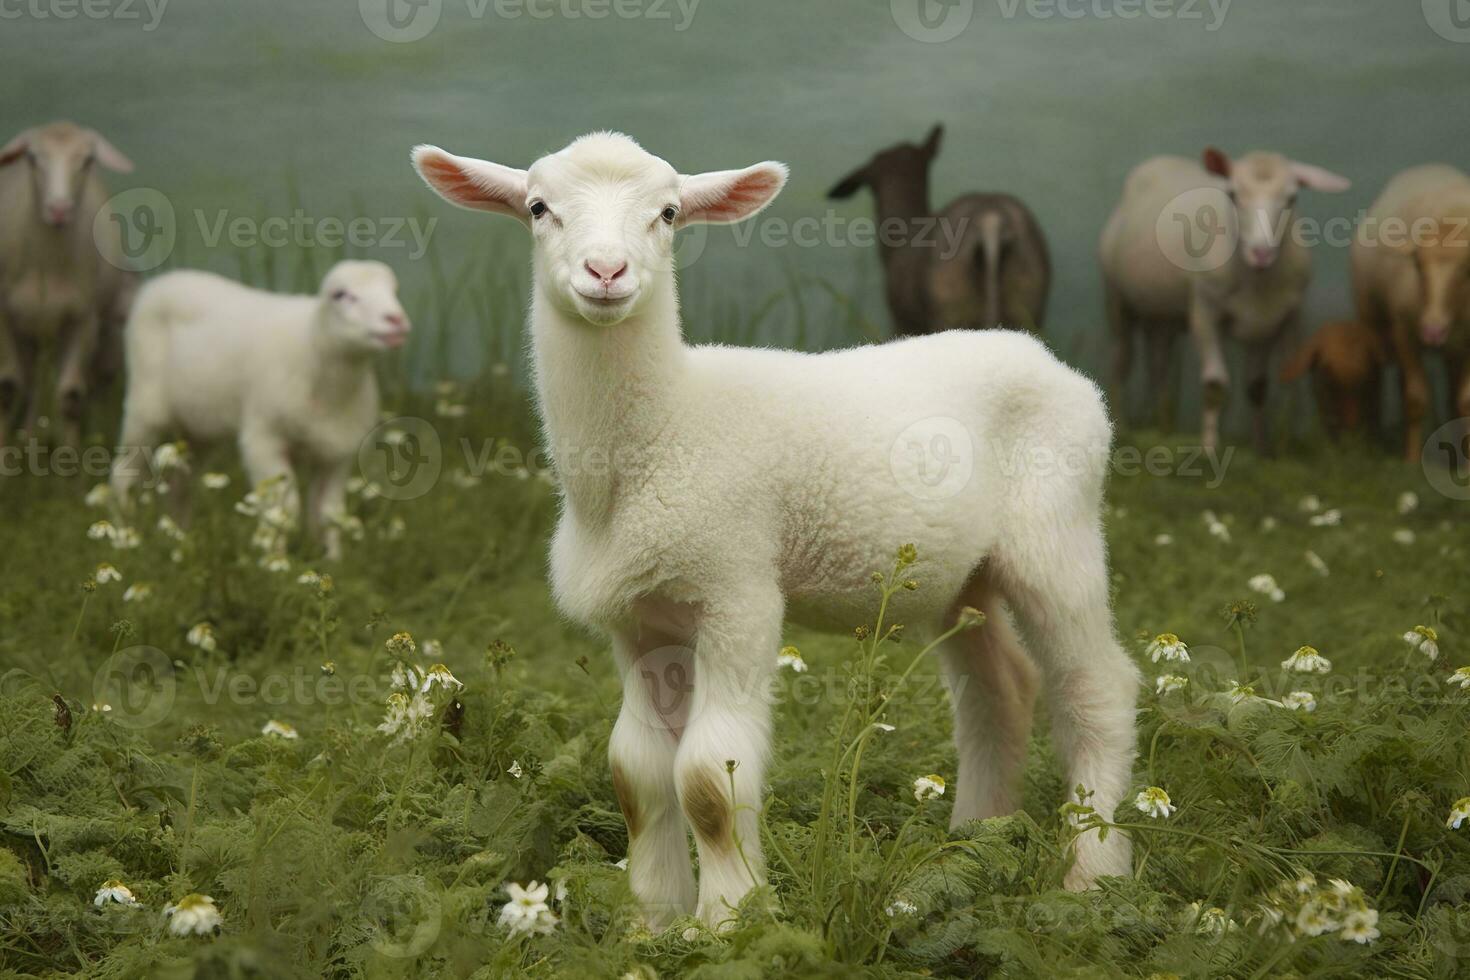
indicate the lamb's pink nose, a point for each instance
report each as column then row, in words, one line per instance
column 1434, row 331
column 606, row 271
column 396, row 320
column 58, row 214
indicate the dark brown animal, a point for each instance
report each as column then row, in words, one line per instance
column 981, row 262
column 1346, row 360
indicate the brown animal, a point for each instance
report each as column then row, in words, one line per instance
column 1346, row 360
column 981, row 262
column 1411, row 276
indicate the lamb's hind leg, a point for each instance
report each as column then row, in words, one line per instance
column 992, row 686
column 658, row 681
column 1056, row 582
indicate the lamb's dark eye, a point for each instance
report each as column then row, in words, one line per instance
column 340, row 294
column 669, row 214
column 1234, row 197
column 538, row 208
column 1291, row 201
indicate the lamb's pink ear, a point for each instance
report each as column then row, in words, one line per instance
column 108, row 155
column 1318, row 179
column 726, row 196
column 475, row 184
column 1217, row 162
column 15, row 148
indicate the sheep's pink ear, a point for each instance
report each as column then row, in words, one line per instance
column 1217, row 162
column 726, row 196
column 15, row 148
column 475, row 184
column 108, row 155
column 1318, row 179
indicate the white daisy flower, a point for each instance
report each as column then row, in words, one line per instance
column 1216, row 527
column 101, row 531
column 1266, row 585
column 215, row 481
column 1421, row 638
column 201, row 635
column 310, row 578
column 928, row 787
column 1314, row 919
column 1154, row 802
column 168, row 456
column 1211, row 921
column 447, row 409
column 883, row 727
column 1360, row 926
column 170, row 528
column 1461, row 677
column 1408, row 502
column 113, row 890
column 1300, row 701
column 1309, row 504
column 432, row 650
column 1241, row 693
column 1328, row 518
column 126, row 538
column 106, row 573
column 405, row 716
column 1306, row 660
column 516, row 772
column 1164, row 540
column 1168, row 646
column 99, row 496
column 401, row 645
column 1268, row 524
column 791, row 657
column 1168, row 683
column 279, row 729
column 194, row 914
column 396, row 530
column 1403, row 536
column 621, row 865
column 137, row 592
column 1318, row 565
column 901, row 906
column 1458, row 813
column 439, row 674
column 275, row 564
column 527, row 910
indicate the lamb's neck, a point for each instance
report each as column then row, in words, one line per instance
column 337, row 374
column 606, row 393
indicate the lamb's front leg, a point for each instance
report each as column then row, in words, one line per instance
column 727, row 742
column 658, row 677
column 329, row 506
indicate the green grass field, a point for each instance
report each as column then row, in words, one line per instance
column 129, row 753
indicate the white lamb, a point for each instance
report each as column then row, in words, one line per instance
column 291, row 377
column 712, row 492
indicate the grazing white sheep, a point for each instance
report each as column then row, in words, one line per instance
column 62, row 280
column 712, row 492
column 1209, row 247
column 291, row 377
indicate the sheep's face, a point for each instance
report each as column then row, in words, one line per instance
column 1263, row 188
column 602, row 213
column 363, row 312
column 1441, row 256
column 61, row 156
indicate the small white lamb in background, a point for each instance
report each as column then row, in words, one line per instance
column 710, row 492
column 291, row 377
column 62, row 282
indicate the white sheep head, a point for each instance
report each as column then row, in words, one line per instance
column 360, row 308
column 602, row 213
column 61, row 156
column 1263, row 188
